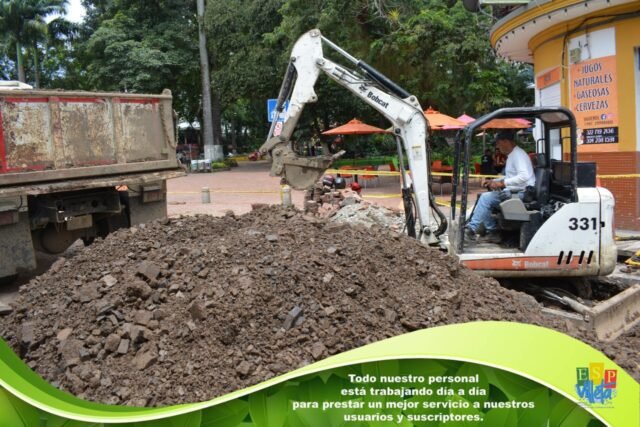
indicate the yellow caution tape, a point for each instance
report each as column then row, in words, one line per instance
column 226, row 192
column 630, row 175
column 397, row 173
column 381, row 196
column 363, row 172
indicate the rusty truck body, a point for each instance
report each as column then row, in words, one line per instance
column 79, row 165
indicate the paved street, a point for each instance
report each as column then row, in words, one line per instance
column 250, row 183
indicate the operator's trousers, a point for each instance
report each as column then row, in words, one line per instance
column 488, row 202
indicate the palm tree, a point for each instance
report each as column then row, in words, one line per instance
column 22, row 23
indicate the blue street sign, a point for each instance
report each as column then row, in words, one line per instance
column 271, row 110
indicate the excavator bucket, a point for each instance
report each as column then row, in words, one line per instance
column 299, row 172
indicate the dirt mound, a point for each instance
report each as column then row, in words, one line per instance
column 191, row 308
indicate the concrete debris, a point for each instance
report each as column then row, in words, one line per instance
column 64, row 334
column 292, row 317
column 148, row 270
column 5, row 309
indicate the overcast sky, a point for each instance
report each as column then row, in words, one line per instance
column 75, row 11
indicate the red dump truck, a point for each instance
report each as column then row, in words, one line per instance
column 79, row 165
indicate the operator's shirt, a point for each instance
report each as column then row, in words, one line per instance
column 518, row 172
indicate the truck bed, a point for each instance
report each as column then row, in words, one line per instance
column 56, row 135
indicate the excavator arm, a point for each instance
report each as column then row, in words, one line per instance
column 403, row 110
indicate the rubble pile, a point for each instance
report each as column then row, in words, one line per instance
column 187, row 309
column 369, row 215
column 346, row 206
column 324, row 201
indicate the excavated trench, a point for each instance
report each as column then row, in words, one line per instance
column 190, row 308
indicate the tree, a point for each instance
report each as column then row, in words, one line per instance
column 440, row 54
column 207, row 120
column 143, row 47
column 22, row 22
column 247, row 68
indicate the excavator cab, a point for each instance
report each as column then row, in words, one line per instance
column 561, row 226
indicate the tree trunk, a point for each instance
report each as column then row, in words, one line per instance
column 216, row 110
column 234, row 137
column 207, row 122
column 36, row 65
column 20, row 63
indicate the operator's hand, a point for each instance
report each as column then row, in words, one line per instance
column 495, row 185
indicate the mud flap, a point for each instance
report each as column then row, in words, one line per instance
column 16, row 247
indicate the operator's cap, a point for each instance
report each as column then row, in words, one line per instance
column 505, row 134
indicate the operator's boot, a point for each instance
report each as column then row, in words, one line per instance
column 492, row 236
column 470, row 235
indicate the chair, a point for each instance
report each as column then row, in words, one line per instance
column 345, row 175
column 526, row 214
column 366, row 178
column 437, row 166
column 392, row 168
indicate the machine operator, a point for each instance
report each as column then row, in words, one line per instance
column 518, row 174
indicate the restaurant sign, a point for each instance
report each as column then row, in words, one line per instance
column 594, row 99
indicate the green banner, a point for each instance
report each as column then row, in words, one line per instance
column 474, row 374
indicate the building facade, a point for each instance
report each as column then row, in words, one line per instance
column 586, row 56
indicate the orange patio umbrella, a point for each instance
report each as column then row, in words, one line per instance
column 466, row 119
column 355, row 127
column 439, row 121
column 507, row 124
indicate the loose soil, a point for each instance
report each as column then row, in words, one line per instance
column 187, row 309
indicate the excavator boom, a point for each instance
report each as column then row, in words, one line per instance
column 402, row 109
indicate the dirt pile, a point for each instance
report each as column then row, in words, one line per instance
column 191, row 308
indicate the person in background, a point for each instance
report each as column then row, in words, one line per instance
column 499, row 161
column 518, row 174
column 486, row 163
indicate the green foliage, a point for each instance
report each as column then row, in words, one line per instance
column 247, row 69
column 229, row 414
column 219, row 165
column 439, row 54
column 143, row 47
column 232, row 163
column 23, row 26
column 443, row 56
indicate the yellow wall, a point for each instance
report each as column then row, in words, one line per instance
column 547, row 50
column 549, row 56
column 627, row 37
